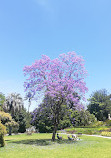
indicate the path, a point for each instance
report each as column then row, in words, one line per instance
column 90, row 135
column 97, row 136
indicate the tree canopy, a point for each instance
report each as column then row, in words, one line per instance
column 100, row 104
column 61, row 79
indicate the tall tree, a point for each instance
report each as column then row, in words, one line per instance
column 100, row 104
column 13, row 103
column 29, row 98
column 21, row 117
column 60, row 79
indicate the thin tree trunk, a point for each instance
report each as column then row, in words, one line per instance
column 54, row 132
column 56, row 122
column 10, row 130
column 56, row 119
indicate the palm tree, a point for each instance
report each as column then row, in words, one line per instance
column 29, row 98
column 13, row 103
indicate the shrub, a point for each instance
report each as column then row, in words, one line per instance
column 64, row 124
column 98, row 124
column 10, row 125
column 2, row 132
column 108, row 134
column 108, row 123
column 87, row 130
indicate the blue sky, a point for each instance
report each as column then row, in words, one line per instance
column 30, row 28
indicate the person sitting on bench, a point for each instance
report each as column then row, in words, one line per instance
column 59, row 138
column 74, row 136
column 70, row 138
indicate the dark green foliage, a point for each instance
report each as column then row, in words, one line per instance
column 21, row 118
column 42, row 119
column 100, row 105
column 14, row 105
column 77, row 118
column 85, row 118
column 2, row 141
column 108, row 122
column 64, row 123
column 64, row 118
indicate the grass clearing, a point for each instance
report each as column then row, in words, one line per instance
column 41, row 146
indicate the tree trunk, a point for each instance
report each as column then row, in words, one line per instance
column 2, row 142
column 56, row 122
column 54, row 132
column 56, row 112
column 10, row 130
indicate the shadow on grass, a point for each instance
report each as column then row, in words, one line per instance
column 42, row 142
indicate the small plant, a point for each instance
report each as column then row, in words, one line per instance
column 108, row 134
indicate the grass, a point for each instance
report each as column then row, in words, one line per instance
column 41, row 146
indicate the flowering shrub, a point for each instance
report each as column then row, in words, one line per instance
column 5, row 117
column 2, row 132
column 7, row 120
column 104, row 133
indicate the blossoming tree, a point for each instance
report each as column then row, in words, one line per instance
column 61, row 79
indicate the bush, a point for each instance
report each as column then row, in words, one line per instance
column 108, row 134
column 87, row 130
column 64, row 124
column 98, row 124
column 10, row 125
column 2, row 132
column 108, row 123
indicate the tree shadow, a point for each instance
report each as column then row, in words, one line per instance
column 66, row 141
column 38, row 142
column 42, row 142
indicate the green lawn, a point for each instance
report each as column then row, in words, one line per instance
column 41, row 146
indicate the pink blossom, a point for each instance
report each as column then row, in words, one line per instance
column 60, row 77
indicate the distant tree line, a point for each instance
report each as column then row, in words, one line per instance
column 100, row 104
